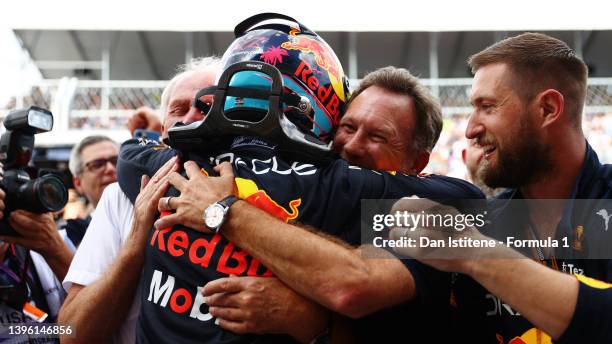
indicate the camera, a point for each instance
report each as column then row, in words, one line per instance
column 41, row 194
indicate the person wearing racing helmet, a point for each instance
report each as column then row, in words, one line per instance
column 309, row 68
column 274, row 74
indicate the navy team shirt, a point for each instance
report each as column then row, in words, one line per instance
column 484, row 318
column 179, row 260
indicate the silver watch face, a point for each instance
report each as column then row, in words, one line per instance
column 213, row 216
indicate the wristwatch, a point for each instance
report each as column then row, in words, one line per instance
column 214, row 215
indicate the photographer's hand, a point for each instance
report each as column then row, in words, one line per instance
column 38, row 232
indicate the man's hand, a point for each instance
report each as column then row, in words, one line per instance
column 197, row 193
column 144, row 118
column 264, row 305
column 145, row 206
column 37, row 232
column 445, row 258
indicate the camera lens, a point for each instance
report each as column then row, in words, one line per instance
column 42, row 195
column 51, row 192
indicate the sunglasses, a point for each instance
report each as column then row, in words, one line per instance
column 99, row 164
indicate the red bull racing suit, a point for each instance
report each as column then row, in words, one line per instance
column 179, row 260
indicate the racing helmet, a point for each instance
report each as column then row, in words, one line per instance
column 315, row 87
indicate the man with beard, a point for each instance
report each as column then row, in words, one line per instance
column 528, row 95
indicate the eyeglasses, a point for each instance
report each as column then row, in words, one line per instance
column 98, row 164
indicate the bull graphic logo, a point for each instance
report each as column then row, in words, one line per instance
column 248, row 191
column 604, row 214
column 322, row 55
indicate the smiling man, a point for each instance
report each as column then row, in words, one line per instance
column 528, row 96
column 391, row 123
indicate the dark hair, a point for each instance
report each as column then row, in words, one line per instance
column 538, row 62
column 428, row 111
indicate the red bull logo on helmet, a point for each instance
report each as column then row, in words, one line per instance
column 329, row 99
column 323, row 57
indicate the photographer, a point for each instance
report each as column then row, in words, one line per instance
column 33, row 253
column 50, row 259
column 38, row 232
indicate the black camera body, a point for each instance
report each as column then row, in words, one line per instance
column 38, row 195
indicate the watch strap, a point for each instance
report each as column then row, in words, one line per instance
column 228, row 201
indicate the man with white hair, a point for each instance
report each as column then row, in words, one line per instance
column 102, row 302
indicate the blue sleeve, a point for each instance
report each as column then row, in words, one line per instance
column 349, row 183
column 384, row 185
column 138, row 157
column 343, row 187
column 592, row 320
